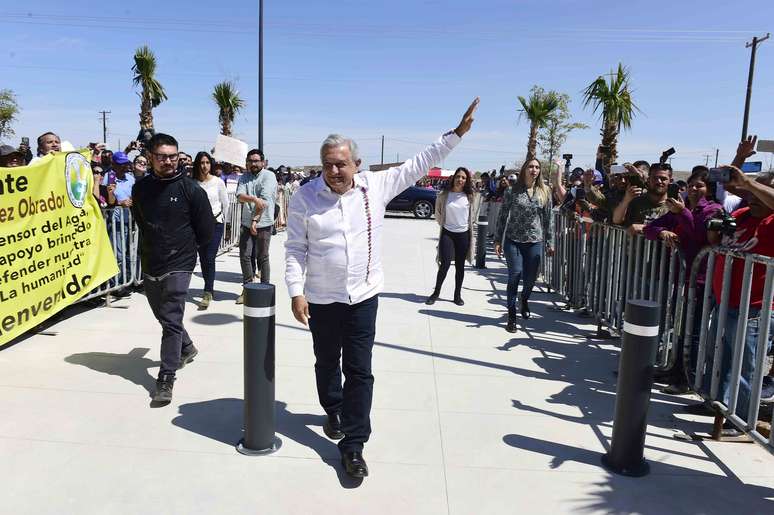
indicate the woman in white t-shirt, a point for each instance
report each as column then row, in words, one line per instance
column 456, row 209
column 216, row 193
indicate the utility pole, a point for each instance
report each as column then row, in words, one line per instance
column 104, row 125
column 706, row 159
column 717, row 151
column 754, row 45
column 382, row 148
column 260, row 75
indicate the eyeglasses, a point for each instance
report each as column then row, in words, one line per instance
column 166, row 157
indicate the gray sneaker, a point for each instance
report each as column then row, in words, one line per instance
column 164, row 386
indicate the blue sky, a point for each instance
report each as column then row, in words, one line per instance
column 403, row 69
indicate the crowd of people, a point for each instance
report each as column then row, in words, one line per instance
column 181, row 205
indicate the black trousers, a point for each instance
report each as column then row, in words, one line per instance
column 343, row 338
column 254, row 254
column 167, row 301
column 452, row 245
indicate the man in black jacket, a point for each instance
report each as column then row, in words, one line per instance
column 174, row 218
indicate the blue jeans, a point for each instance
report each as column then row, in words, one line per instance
column 523, row 259
column 207, row 254
column 748, row 356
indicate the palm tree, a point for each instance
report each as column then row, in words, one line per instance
column 538, row 109
column 618, row 108
column 229, row 103
column 152, row 91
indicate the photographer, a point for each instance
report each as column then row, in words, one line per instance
column 640, row 206
column 754, row 234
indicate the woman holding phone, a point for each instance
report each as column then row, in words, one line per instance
column 456, row 208
column 685, row 227
column 216, row 193
column 524, row 230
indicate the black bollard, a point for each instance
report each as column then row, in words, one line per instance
column 635, row 380
column 259, row 438
column 482, row 227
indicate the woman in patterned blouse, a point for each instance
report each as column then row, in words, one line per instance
column 524, row 226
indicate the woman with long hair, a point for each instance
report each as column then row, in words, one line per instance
column 456, row 209
column 685, row 227
column 524, row 227
column 216, row 192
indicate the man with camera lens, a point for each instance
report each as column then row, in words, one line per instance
column 642, row 203
column 750, row 230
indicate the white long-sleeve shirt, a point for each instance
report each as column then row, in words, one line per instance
column 336, row 240
column 218, row 197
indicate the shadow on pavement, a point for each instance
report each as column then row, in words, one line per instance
column 222, row 419
column 677, row 490
column 216, row 319
column 408, row 297
column 132, row 366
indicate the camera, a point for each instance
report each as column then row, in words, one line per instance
column 665, row 155
column 719, row 175
column 566, row 157
column 723, row 223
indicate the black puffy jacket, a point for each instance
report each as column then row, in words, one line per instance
column 174, row 217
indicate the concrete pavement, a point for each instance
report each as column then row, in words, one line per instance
column 467, row 418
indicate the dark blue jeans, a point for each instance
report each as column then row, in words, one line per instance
column 343, row 338
column 523, row 261
column 207, row 255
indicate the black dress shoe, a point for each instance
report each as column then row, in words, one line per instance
column 332, row 427
column 431, row 299
column 354, row 464
column 525, row 309
column 511, row 325
column 459, row 301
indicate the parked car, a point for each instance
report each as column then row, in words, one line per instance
column 420, row 201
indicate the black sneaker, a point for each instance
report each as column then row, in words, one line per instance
column 511, row 325
column 188, row 355
column 164, row 386
column 431, row 299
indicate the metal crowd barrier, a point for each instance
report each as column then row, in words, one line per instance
column 743, row 372
column 597, row 267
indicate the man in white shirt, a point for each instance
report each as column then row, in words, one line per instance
column 334, row 237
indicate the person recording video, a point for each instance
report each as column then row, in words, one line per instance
column 643, row 202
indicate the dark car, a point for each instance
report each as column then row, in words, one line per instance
column 420, row 201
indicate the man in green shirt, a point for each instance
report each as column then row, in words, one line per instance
column 257, row 190
column 639, row 207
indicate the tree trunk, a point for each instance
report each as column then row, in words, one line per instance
column 225, row 126
column 146, row 112
column 610, row 141
column 532, row 142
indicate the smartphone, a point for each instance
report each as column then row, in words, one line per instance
column 617, row 169
column 26, row 141
column 719, row 175
column 673, row 191
column 764, row 145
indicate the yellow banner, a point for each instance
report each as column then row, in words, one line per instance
column 54, row 246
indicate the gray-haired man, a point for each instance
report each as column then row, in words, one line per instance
column 333, row 271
